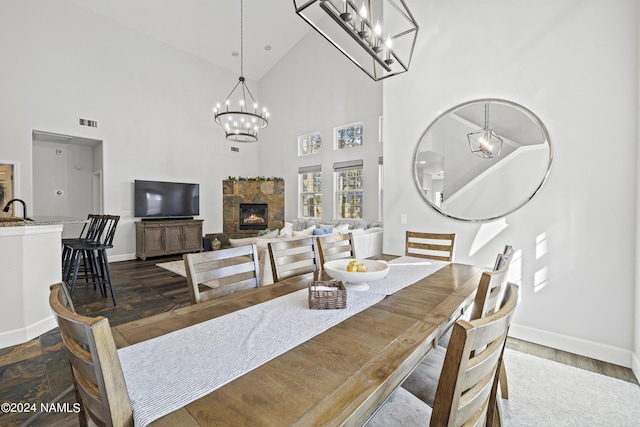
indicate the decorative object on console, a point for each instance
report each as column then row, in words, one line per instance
column 241, row 125
column 215, row 244
column 485, row 142
column 380, row 48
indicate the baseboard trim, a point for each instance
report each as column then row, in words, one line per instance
column 635, row 365
column 594, row 350
column 124, row 257
column 22, row 335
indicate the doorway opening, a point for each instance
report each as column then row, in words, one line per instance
column 8, row 187
column 67, row 178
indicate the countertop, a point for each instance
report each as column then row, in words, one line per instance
column 51, row 220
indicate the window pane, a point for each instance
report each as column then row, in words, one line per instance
column 349, row 136
column 309, row 144
column 350, row 180
column 349, row 194
column 311, row 194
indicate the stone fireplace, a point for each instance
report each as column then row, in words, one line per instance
column 250, row 205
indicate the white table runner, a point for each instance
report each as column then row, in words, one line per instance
column 405, row 271
column 168, row 372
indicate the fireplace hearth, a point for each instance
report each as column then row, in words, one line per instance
column 254, row 216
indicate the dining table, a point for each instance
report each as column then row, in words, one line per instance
column 339, row 376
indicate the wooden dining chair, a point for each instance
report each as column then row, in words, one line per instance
column 95, row 365
column 292, row 258
column 437, row 246
column 466, row 389
column 506, row 258
column 214, row 274
column 486, row 301
column 335, row 246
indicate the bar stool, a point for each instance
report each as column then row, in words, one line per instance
column 90, row 232
column 97, row 269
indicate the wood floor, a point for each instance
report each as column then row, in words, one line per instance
column 38, row 371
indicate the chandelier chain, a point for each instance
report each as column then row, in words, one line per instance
column 241, row 41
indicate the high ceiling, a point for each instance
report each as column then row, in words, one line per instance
column 210, row 29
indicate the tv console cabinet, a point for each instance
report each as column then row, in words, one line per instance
column 166, row 237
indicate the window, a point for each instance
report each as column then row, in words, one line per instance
column 348, row 136
column 310, row 191
column 349, row 189
column 380, row 187
column 310, row 144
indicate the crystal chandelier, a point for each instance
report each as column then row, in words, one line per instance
column 241, row 124
column 376, row 35
column 485, row 142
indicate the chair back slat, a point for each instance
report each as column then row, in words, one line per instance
column 95, row 364
column 436, row 246
column 291, row 258
column 335, row 246
column 214, row 274
column 490, row 290
column 109, row 229
column 91, row 230
column 468, row 381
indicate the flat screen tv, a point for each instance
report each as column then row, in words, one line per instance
column 161, row 200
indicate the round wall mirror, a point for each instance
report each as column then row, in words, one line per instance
column 482, row 160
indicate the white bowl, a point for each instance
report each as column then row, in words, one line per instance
column 356, row 280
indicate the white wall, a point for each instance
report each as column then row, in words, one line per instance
column 153, row 105
column 575, row 65
column 636, row 356
column 315, row 88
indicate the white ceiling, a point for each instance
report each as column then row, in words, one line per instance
column 210, row 29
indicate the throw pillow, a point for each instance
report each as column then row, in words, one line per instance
column 342, row 228
column 235, row 243
column 287, row 230
column 267, row 234
column 321, row 231
column 305, row 233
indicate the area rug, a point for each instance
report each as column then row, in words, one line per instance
column 174, row 266
column 550, row 394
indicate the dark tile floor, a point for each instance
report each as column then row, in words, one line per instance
column 38, row 371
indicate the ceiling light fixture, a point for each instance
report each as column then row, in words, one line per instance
column 378, row 35
column 241, row 124
column 485, row 142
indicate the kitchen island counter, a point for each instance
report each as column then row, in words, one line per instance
column 30, row 261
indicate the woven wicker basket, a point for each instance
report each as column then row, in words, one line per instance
column 327, row 294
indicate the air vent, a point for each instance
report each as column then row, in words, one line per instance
column 235, row 149
column 88, row 123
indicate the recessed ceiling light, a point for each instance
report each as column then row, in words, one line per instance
column 267, row 47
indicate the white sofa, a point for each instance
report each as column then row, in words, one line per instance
column 367, row 242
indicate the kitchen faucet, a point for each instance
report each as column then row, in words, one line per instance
column 24, row 207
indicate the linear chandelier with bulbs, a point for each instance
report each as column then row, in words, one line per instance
column 377, row 35
column 241, row 124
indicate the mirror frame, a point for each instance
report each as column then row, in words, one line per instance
column 517, row 106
